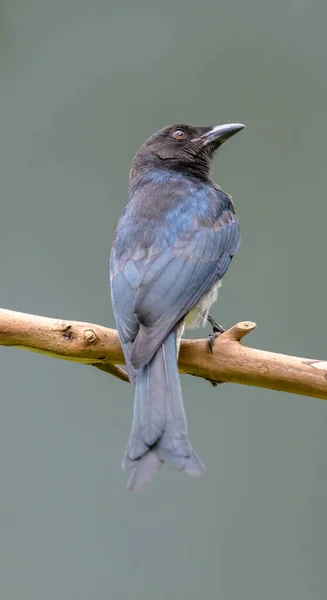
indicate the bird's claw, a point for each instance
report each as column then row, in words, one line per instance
column 216, row 331
column 212, row 338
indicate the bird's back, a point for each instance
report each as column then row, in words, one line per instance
column 164, row 207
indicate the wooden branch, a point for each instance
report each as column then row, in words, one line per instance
column 231, row 361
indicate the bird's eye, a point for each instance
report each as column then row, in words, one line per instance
column 179, row 134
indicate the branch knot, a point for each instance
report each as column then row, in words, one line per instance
column 90, row 337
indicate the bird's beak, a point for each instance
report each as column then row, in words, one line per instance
column 220, row 133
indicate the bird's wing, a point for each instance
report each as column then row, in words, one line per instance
column 124, row 283
column 171, row 283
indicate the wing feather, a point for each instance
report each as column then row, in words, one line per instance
column 154, row 287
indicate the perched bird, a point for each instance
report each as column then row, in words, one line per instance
column 172, row 246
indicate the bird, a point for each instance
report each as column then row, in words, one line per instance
column 172, row 246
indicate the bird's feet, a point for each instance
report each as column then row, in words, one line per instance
column 216, row 331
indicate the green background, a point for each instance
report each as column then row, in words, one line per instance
column 82, row 84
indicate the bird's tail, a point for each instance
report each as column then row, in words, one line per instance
column 159, row 428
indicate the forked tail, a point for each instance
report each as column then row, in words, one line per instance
column 159, row 427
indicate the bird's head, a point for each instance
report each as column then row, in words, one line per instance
column 185, row 148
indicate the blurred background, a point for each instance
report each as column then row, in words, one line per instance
column 82, row 84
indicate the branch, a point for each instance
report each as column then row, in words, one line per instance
column 231, row 362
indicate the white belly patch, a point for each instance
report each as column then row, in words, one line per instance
column 198, row 315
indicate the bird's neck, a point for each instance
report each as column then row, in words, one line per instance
column 143, row 170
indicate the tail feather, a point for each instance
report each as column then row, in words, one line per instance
column 143, row 470
column 159, row 428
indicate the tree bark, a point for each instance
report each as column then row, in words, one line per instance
column 231, row 361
